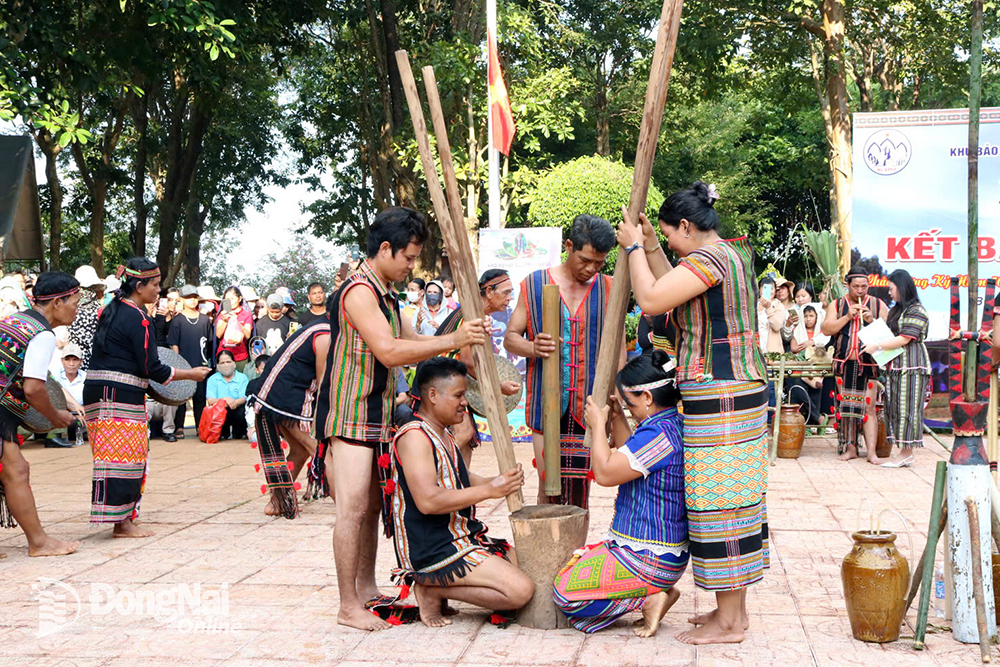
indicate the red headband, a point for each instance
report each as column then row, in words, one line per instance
column 496, row 281
column 49, row 297
column 133, row 273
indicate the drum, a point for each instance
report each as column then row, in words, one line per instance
column 508, row 373
column 178, row 391
column 35, row 421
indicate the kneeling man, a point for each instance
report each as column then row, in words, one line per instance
column 440, row 545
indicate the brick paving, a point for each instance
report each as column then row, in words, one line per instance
column 204, row 502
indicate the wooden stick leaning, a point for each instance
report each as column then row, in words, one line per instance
column 938, row 510
column 552, row 392
column 609, row 353
column 991, row 422
column 918, row 570
column 463, row 265
column 977, row 579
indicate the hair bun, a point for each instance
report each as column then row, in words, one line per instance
column 706, row 192
column 659, row 358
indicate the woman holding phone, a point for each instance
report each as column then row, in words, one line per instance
column 234, row 327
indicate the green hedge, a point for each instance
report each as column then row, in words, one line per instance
column 593, row 184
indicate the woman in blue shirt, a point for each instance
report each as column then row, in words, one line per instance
column 229, row 385
column 646, row 549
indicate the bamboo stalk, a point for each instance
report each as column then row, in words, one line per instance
column 918, row 570
column 444, row 146
column 609, row 353
column 552, row 398
column 977, row 579
column 456, row 241
column 930, row 551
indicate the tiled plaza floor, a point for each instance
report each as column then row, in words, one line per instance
column 204, row 501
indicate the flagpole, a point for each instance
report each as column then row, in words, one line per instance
column 493, row 193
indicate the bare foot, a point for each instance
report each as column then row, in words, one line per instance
column 128, row 529
column 702, row 619
column 361, row 619
column 430, row 608
column 52, row 547
column 874, row 460
column 272, row 509
column 654, row 609
column 851, row 453
column 447, row 610
column 712, row 633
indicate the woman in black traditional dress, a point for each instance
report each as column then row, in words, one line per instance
column 124, row 360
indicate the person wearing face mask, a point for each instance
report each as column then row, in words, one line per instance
column 234, row 326
column 414, row 298
column 433, row 313
column 230, row 386
column 124, row 361
column 584, row 296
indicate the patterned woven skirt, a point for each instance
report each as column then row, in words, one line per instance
column 904, row 405
column 275, row 465
column 575, row 465
column 604, row 581
column 852, row 383
column 725, row 480
column 119, row 439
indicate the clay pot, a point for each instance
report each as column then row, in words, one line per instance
column 875, row 577
column 791, row 432
column 882, row 447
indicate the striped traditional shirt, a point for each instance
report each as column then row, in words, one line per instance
column 649, row 511
column 718, row 328
column 356, row 397
column 913, row 323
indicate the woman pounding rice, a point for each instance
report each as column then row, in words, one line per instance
column 124, row 360
column 721, row 375
column 646, row 549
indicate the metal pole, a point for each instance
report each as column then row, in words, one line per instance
column 493, row 191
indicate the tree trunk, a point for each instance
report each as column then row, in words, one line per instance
column 141, row 120
column 182, row 165
column 840, row 148
column 381, row 159
column 601, row 113
column 50, row 149
column 391, row 34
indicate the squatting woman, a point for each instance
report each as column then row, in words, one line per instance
column 645, row 552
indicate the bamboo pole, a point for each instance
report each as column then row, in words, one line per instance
column 456, row 240
column 991, row 422
column 552, row 386
column 776, row 422
column 977, row 579
column 918, row 570
column 609, row 354
column 930, row 551
column 444, row 146
column 975, row 95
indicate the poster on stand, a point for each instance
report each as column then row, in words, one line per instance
column 519, row 251
column 910, row 206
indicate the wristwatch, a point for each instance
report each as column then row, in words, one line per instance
column 634, row 246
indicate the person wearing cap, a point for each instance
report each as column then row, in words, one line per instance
column 432, row 313
column 81, row 331
column 190, row 336
column 24, row 367
column 274, row 326
column 316, row 293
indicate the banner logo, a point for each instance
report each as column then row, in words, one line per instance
column 887, row 152
column 58, row 606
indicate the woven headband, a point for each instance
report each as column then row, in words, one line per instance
column 851, row 276
column 495, row 282
column 49, row 297
column 134, row 273
column 639, row 388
